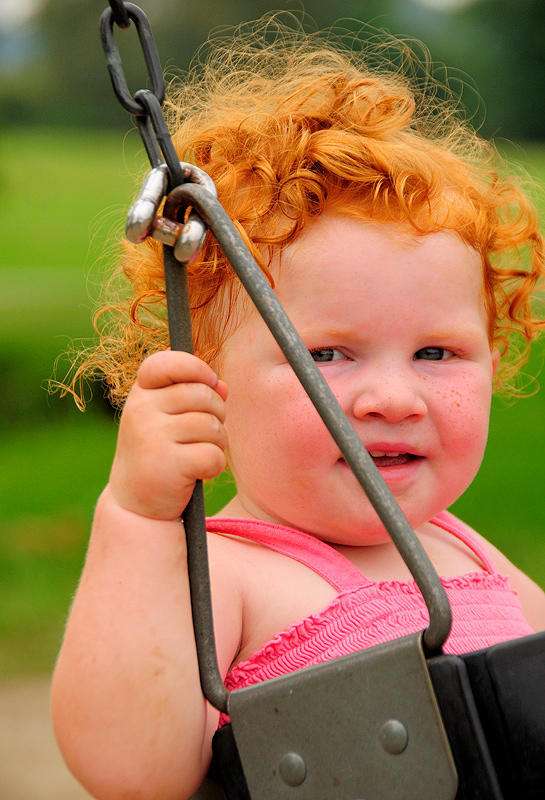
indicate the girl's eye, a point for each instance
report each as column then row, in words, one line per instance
column 432, row 354
column 326, row 354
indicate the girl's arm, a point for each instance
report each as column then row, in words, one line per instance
column 127, row 704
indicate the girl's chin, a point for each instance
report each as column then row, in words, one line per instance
column 359, row 528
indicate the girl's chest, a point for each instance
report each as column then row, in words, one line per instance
column 279, row 591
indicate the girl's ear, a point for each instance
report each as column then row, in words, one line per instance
column 495, row 361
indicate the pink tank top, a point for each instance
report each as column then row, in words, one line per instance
column 485, row 609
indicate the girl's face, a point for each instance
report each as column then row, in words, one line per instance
column 398, row 328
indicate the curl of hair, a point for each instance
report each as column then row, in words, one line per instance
column 290, row 125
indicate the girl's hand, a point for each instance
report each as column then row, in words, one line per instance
column 171, row 434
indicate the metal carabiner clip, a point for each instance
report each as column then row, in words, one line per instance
column 142, row 213
column 142, row 219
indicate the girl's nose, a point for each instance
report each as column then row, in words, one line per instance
column 394, row 397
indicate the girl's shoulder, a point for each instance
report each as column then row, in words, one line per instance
column 530, row 595
column 257, row 577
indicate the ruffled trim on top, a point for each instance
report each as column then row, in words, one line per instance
column 485, row 612
column 485, row 609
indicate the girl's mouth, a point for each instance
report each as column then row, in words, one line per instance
column 382, row 459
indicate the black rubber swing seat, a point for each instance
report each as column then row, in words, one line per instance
column 492, row 704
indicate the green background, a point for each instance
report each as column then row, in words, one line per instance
column 63, row 196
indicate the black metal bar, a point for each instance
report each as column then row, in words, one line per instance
column 145, row 129
column 146, row 107
column 329, row 409
column 193, row 517
column 162, row 133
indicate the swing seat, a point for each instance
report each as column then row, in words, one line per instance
column 491, row 704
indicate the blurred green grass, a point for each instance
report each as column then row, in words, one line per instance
column 63, row 197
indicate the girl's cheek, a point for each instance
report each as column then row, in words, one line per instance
column 466, row 413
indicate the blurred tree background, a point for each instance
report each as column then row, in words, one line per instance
column 69, row 157
column 54, row 67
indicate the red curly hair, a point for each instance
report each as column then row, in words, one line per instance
column 294, row 127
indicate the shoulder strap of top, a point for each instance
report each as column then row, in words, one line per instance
column 313, row 553
column 324, row 559
column 463, row 532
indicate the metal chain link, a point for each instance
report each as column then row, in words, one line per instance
column 113, row 59
column 120, row 14
column 152, row 105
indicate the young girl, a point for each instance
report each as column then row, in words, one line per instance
column 406, row 264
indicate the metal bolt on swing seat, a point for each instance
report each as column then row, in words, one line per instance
column 292, row 769
column 394, row 737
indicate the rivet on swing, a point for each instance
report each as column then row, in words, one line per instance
column 394, row 737
column 293, row 769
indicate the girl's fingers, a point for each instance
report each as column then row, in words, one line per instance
column 203, row 461
column 221, row 389
column 172, row 367
column 182, row 398
column 194, row 427
column 171, row 434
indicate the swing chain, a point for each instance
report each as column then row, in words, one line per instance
column 167, row 171
column 145, row 105
column 181, row 243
